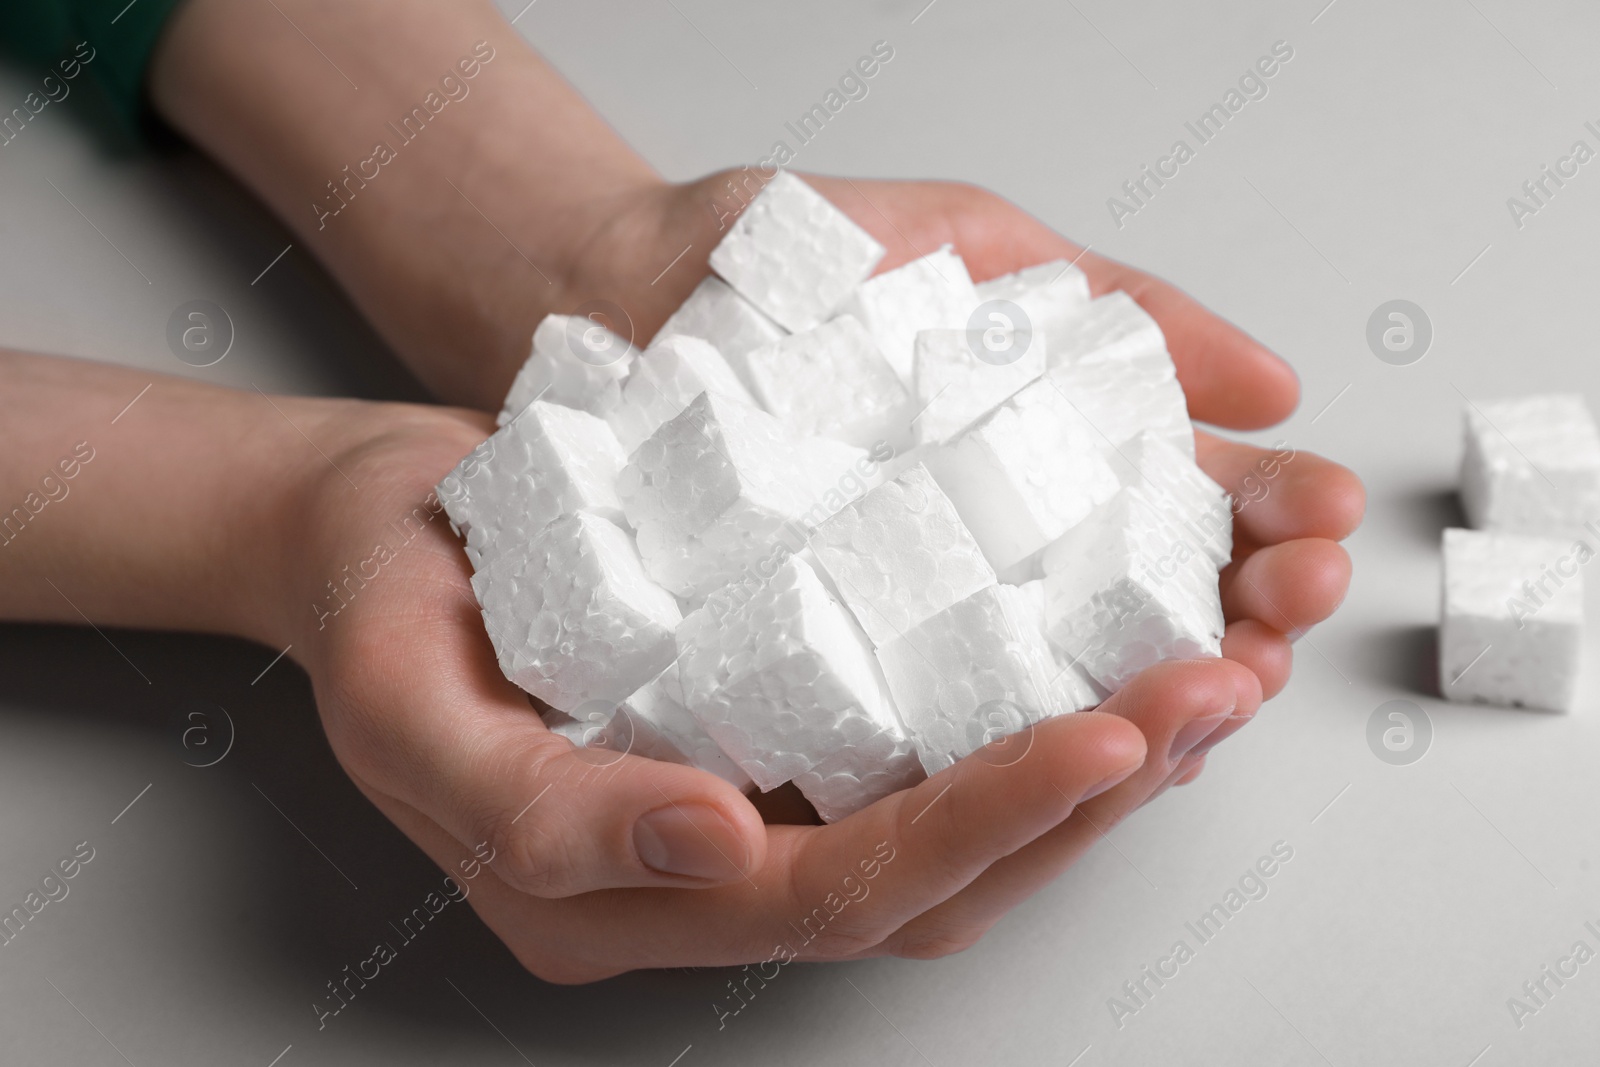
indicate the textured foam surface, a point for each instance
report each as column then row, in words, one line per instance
column 1113, row 327
column 546, row 462
column 1128, row 393
column 1511, row 618
column 1050, row 294
column 857, row 775
column 782, row 678
column 715, row 313
column 1024, row 474
column 975, row 672
column 1199, row 508
column 721, row 486
column 832, row 381
column 665, row 377
column 899, row 555
column 954, row 387
column 574, row 619
column 654, row 723
column 575, row 363
column 928, row 293
column 1125, row 590
column 794, row 255
column 1531, row 464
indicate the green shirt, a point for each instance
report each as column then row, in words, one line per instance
column 111, row 40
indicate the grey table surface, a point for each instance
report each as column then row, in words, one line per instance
column 1419, row 898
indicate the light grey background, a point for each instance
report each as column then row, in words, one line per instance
column 1419, row 898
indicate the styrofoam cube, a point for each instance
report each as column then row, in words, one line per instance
column 574, row 619
column 974, row 672
column 1111, row 327
column 1196, row 506
column 1126, row 395
column 832, row 381
column 1024, row 474
column 1511, row 618
column 1071, row 674
column 574, row 362
column 954, row 387
column 794, row 255
column 932, row 292
column 546, row 462
column 720, row 486
column 858, row 775
column 1050, row 294
column 782, row 678
column 1125, row 590
column 1531, row 464
column 654, row 723
column 665, row 377
column 899, row 555
column 717, row 314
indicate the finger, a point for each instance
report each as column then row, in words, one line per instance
column 1229, row 378
column 1194, row 772
column 1171, row 703
column 447, row 734
column 1263, row 649
column 836, row 891
column 949, row 829
column 1281, row 494
column 1290, row 587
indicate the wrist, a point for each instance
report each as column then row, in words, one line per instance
column 368, row 515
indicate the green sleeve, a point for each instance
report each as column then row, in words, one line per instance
column 111, row 40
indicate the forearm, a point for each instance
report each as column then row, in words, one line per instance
column 453, row 232
column 155, row 507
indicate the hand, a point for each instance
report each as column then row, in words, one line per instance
column 422, row 719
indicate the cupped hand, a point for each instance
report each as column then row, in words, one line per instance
column 590, row 864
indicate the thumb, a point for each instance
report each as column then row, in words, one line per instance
column 549, row 818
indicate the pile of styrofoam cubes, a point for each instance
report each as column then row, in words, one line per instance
column 825, row 530
column 1511, row 617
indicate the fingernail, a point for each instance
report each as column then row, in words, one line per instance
column 1116, row 779
column 691, row 840
column 1193, row 733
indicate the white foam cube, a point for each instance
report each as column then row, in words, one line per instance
column 1125, row 590
column 1050, row 294
column 1199, row 508
column 899, row 555
column 928, row 293
column 1113, row 326
column 1126, row 395
column 546, row 462
column 832, row 381
column 574, row 362
column 858, row 775
column 954, row 387
column 1070, row 673
column 794, row 255
column 1511, row 618
column 665, row 377
column 1024, row 474
column 1531, row 464
column 717, row 314
column 654, row 723
column 720, row 486
column 974, row 672
column 574, row 619
column 781, row 677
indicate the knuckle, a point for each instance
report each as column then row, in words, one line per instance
column 531, row 843
column 932, row 939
